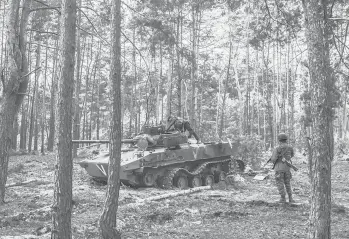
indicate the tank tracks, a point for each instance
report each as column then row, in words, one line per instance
column 167, row 179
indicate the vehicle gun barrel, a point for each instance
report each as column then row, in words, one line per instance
column 84, row 141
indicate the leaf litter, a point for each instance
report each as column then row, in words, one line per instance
column 246, row 209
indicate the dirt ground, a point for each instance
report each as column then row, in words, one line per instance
column 246, row 209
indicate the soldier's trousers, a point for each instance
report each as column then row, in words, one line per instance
column 283, row 180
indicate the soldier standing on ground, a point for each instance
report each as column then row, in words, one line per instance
column 283, row 174
column 181, row 125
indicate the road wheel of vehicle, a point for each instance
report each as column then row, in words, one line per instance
column 208, row 180
column 220, row 176
column 181, row 182
column 195, row 182
column 148, row 179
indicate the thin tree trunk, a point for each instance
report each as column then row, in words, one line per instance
column 3, row 50
column 169, row 83
column 76, row 120
column 98, row 94
column 247, row 118
column 36, row 102
column 85, row 133
column 179, row 74
column 194, row 72
column 133, row 86
column 107, row 221
column 240, row 99
column 134, row 89
column 23, row 130
column 62, row 205
column 33, row 102
column 43, row 107
column 52, row 123
column 225, row 93
column 160, row 84
column 15, row 132
column 94, row 86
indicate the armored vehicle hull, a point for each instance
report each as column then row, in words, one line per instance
column 185, row 165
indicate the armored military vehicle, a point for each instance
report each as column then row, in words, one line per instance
column 155, row 158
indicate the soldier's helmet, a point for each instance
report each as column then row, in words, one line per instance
column 282, row 137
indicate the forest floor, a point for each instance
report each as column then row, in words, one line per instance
column 247, row 209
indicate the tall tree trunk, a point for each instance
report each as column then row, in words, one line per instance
column 133, row 115
column 32, row 116
column 85, row 133
column 108, row 217
column 240, row 99
column 323, row 94
column 221, row 126
column 23, row 130
column 15, row 133
column 43, row 107
column 62, row 205
column 161, row 82
column 247, row 118
column 15, row 84
column 76, row 120
column 169, row 82
column 194, row 72
column 36, row 101
column 52, row 122
column 179, row 74
column 98, row 94
column 3, row 50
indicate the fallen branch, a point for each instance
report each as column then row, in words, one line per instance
column 175, row 194
column 21, row 183
column 167, row 195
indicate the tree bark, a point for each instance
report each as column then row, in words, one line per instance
column 43, row 110
column 221, row 125
column 36, row 101
column 76, row 122
column 23, row 129
column 322, row 95
column 194, row 71
column 179, row 66
column 15, row 133
column 62, row 205
column 52, row 122
column 108, row 218
column 169, row 82
column 15, row 84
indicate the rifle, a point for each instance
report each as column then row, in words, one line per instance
column 291, row 165
column 286, row 162
column 267, row 163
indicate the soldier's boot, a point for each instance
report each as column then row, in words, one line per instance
column 282, row 199
column 290, row 199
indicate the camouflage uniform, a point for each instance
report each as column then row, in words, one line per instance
column 282, row 171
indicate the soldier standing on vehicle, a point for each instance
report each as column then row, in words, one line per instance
column 282, row 153
column 181, row 125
